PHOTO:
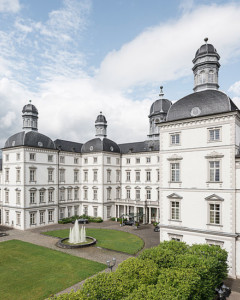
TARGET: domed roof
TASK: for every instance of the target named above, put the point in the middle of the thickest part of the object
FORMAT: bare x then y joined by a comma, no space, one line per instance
204,49
101,118
160,106
31,138
98,145
202,103
29,108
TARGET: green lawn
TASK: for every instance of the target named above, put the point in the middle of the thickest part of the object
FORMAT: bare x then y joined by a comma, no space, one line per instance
109,239
30,272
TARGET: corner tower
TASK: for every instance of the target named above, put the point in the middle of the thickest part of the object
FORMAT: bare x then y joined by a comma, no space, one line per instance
101,126
158,113
30,117
205,69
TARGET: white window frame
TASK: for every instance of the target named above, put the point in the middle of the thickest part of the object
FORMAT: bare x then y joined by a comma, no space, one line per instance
42,217
175,139
214,213
32,156
50,216
32,216
175,172
212,171
50,195
213,136
175,212
50,175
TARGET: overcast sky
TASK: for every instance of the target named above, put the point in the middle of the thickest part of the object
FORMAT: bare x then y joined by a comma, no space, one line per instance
75,58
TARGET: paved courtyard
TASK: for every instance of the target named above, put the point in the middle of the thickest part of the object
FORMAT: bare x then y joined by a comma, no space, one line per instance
145,232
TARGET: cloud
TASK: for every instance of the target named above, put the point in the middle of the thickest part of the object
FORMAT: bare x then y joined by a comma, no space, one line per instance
235,88
9,6
164,52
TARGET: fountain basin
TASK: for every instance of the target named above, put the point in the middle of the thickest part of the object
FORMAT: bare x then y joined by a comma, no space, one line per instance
62,243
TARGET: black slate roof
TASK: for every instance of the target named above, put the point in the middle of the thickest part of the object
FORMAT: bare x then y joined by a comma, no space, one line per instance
30,138
98,145
145,146
29,108
204,49
205,103
68,146
161,105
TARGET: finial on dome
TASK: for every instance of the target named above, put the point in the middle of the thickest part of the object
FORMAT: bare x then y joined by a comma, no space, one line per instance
206,40
161,92
100,112
30,101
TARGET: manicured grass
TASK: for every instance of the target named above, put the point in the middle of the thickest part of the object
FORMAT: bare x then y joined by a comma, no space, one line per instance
30,272
109,239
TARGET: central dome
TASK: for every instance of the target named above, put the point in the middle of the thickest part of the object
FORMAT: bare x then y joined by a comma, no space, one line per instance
99,145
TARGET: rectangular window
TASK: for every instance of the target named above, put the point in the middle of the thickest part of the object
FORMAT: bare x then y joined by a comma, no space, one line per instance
75,176
148,194
85,175
62,175
148,160
148,176
85,160
62,159
50,158
137,194
32,218
128,176
61,213
50,175
75,210
95,194
118,193
62,194
128,161
7,175
128,194
42,217
50,196
108,194
95,211
18,173
117,161
175,139
95,175
69,194
6,196
158,175
41,196
214,134
32,156
7,216
7,157
175,210
175,172
18,198
32,175
117,176
214,168
85,210
85,194
75,194
50,216
18,218
75,160
214,213
18,156
137,175
108,160
137,160
32,197
69,211
108,212
109,175
95,160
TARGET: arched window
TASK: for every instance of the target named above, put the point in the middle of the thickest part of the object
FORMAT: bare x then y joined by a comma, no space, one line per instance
202,77
211,76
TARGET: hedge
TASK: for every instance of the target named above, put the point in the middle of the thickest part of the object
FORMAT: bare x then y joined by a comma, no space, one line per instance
171,271
73,218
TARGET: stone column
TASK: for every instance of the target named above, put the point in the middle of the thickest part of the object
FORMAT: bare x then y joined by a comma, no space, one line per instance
149,215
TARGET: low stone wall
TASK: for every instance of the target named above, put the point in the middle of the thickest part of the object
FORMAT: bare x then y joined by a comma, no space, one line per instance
60,243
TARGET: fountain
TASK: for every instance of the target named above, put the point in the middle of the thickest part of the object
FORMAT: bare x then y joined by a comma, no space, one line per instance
77,235
77,238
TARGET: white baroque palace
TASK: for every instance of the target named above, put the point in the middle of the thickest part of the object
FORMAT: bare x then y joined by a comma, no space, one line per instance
186,175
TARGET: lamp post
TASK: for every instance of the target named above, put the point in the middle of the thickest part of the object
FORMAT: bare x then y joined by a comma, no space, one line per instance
110,264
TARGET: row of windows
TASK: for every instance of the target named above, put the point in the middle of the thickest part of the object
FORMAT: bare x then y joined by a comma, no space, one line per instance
213,218
214,135
213,176
32,217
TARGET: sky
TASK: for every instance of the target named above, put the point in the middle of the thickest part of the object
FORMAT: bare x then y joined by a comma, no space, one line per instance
75,58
